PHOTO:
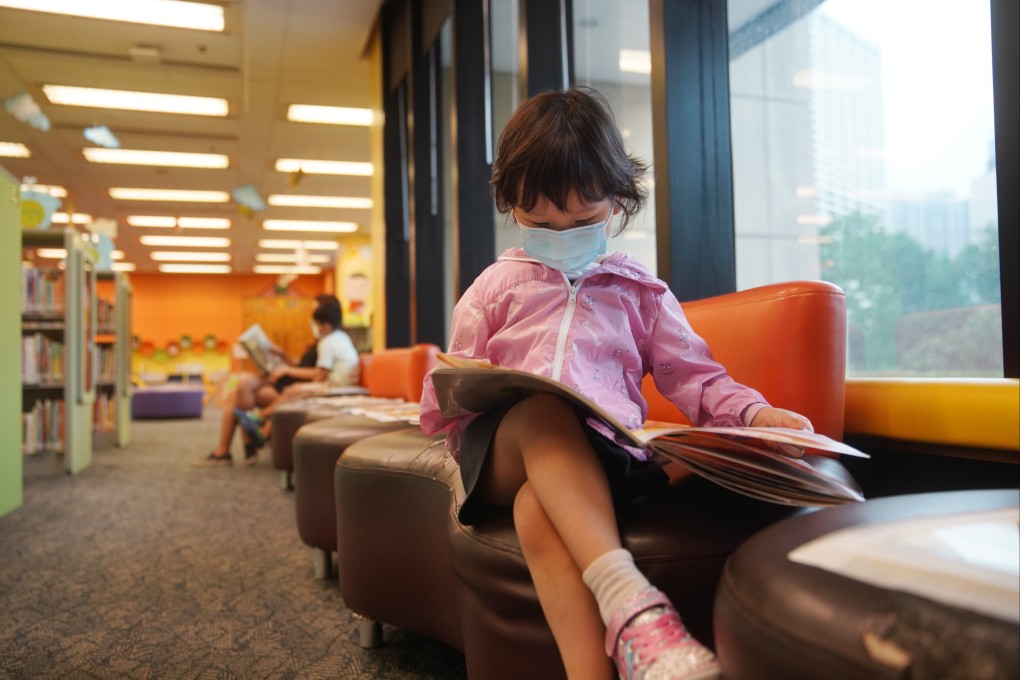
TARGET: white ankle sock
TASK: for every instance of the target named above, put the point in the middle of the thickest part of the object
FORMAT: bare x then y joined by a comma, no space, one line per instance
614,579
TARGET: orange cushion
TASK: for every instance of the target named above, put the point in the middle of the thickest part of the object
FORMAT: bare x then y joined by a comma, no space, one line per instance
786,340
398,373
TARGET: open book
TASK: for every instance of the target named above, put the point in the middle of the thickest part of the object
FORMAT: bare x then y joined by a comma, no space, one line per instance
778,465
259,348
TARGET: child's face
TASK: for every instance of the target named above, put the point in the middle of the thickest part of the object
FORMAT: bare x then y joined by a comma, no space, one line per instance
578,213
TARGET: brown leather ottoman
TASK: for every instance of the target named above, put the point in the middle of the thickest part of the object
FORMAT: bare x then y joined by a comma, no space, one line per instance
287,419
405,560
317,445
778,618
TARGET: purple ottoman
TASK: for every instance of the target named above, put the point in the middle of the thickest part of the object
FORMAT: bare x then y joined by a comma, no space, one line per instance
171,401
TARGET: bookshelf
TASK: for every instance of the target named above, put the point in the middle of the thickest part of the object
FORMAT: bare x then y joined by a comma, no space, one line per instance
58,345
11,464
111,413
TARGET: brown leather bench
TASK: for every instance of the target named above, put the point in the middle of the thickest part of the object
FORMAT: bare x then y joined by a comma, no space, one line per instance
394,373
405,560
776,617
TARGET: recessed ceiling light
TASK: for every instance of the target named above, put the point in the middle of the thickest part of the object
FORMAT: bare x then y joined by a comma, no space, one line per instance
184,256
169,222
52,190
135,101
195,268
310,225
51,253
185,241
311,167
76,218
117,255
290,244
123,266
329,115
196,15
291,257
295,201
170,159
185,195
14,150
285,269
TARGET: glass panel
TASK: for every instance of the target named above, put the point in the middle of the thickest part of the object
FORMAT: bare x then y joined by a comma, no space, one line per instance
863,155
611,55
504,20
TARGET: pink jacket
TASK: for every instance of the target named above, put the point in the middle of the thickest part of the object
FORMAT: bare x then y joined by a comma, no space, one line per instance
600,336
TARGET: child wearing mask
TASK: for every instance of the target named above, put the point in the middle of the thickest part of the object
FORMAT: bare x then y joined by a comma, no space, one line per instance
563,308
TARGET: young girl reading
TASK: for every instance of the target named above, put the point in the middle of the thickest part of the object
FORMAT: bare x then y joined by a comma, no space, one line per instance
598,323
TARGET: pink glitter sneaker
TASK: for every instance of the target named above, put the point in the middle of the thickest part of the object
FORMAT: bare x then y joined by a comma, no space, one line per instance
647,641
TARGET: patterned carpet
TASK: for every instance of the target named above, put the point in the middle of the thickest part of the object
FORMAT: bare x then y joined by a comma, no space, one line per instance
144,567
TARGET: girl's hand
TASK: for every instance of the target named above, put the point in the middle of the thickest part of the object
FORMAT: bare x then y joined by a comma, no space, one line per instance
780,417
282,371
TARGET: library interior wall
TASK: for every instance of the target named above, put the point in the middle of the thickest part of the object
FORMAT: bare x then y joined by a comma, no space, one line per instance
165,307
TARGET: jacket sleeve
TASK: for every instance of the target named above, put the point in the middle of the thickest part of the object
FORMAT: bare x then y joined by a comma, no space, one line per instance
469,336
687,374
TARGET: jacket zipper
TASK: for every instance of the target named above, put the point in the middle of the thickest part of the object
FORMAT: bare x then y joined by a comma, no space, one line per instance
561,338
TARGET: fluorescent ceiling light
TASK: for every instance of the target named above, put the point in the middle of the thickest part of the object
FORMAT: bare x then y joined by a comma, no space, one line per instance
52,190
76,218
285,269
635,61
170,159
185,195
195,268
117,255
14,150
51,253
291,257
310,225
184,256
329,115
287,244
293,201
169,222
196,15
135,101
185,241
123,266
311,167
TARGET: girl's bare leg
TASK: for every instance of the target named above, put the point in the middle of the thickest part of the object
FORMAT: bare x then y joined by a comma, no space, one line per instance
542,464
567,603
243,397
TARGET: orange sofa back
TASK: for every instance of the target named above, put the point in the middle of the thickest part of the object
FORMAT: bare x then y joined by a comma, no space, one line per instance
786,340
398,372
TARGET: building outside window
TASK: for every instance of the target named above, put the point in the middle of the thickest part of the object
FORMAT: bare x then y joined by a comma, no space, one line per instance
863,141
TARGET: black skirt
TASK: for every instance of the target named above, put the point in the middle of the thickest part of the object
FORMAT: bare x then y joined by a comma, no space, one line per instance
628,477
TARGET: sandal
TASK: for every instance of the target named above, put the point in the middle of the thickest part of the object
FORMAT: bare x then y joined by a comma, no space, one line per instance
212,460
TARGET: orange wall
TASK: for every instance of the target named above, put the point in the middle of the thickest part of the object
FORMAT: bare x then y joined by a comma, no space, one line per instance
167,306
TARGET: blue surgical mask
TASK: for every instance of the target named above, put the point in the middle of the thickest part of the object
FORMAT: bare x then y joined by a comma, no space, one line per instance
569,250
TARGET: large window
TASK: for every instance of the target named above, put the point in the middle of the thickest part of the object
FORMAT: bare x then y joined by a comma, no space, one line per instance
863,155
611,55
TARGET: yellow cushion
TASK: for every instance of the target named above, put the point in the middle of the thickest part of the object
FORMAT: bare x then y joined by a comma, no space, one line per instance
955,412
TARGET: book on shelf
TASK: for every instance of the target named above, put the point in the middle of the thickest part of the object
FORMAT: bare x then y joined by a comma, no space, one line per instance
260,349
778,465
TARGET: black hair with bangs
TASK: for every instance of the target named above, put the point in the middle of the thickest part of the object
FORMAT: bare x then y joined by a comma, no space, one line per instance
566,140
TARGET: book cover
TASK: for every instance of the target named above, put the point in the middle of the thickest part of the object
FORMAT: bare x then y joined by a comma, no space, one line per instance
260,349
778,465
